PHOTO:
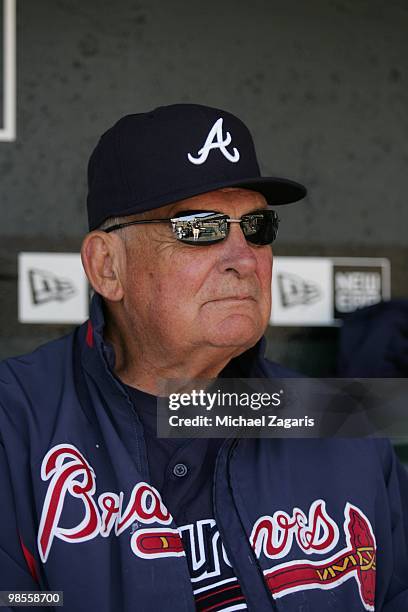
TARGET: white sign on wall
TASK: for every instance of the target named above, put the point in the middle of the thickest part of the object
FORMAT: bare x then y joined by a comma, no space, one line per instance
301,291
321,290
52,288
8,70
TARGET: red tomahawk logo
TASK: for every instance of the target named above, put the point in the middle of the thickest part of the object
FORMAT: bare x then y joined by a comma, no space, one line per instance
357,561
156,543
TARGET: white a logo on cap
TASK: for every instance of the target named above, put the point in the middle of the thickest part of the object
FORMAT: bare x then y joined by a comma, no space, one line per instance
215,140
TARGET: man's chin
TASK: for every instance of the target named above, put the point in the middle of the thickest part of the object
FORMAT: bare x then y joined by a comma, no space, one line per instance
237,332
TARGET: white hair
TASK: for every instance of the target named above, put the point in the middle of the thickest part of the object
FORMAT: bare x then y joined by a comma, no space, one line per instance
111,221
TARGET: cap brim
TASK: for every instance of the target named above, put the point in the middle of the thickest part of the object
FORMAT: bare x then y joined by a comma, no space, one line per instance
277,191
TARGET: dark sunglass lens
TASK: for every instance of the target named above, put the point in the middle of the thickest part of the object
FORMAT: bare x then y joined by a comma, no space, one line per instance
260,227
200,227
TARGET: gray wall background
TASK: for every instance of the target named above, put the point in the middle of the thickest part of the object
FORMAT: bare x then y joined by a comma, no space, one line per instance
323,86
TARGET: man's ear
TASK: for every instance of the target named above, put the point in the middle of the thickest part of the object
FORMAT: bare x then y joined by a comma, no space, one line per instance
103,257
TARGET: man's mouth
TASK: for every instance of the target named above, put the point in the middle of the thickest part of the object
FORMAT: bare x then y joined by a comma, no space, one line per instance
234,298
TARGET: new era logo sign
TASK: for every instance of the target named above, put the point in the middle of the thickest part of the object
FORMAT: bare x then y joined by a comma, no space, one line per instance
302,291
52,288
46,287
359,282
294,290
319,290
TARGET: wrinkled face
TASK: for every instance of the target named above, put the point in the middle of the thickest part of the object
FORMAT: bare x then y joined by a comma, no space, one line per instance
180,295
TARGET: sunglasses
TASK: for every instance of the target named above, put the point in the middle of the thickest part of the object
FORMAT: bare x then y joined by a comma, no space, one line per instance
207,227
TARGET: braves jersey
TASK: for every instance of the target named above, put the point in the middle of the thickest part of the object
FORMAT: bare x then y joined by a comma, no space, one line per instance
182,471
303,525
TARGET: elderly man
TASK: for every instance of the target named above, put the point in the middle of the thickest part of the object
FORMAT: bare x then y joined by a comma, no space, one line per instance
94,504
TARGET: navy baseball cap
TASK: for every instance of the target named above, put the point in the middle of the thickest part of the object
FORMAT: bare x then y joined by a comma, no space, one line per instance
148,160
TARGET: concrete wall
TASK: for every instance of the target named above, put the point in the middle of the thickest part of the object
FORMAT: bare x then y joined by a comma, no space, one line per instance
322,84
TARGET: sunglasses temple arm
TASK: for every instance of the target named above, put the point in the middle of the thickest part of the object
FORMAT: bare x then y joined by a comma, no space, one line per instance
138,222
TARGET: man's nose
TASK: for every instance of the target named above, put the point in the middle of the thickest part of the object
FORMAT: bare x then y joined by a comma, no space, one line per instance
237,254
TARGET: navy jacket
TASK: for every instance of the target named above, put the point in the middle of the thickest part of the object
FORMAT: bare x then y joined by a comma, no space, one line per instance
307,525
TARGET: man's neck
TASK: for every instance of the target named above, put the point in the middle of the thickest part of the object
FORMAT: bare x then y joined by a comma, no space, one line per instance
148,369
